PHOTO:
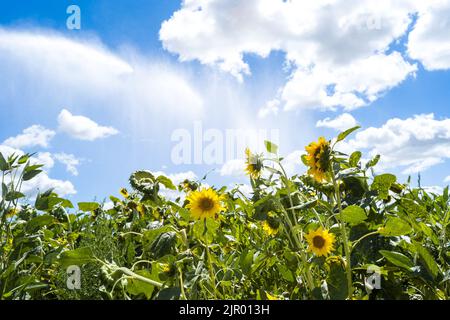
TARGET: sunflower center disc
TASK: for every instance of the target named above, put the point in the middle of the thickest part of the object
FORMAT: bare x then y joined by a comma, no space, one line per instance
206,204
318,242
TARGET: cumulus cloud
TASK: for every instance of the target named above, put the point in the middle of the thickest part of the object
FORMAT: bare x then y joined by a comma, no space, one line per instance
447,179
340,123
346,61
33,136
414,144
233,167
343,62
83,128
70,161
42,182
429,42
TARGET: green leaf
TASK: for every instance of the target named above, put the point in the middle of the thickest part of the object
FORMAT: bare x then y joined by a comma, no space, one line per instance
373,162
166,182
395,227
382,183
23,159
345,133
354,158
3,163
88,206
427,259
286,273
14,195
78,257
172,293
137,287
271,147
337,282
353,215
163,244
40,221
4,189
398,259
30,174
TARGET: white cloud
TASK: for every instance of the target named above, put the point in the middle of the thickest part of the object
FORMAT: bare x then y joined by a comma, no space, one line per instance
42,182
270,108
343,62
414,144
233,167
293,164
429,41
447,179
340,123
70,161
44,158
83,128
33,136
434,189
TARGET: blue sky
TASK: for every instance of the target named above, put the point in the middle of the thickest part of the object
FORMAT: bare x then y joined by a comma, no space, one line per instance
139,70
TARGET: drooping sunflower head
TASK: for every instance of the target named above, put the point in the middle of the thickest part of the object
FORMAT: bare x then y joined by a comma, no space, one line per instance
271,225
320,242
253,164
124,193
318,159
205,203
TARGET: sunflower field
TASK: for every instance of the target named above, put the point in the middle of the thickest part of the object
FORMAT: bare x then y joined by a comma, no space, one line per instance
339,231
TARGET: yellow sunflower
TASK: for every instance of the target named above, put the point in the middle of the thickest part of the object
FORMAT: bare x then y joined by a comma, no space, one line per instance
124,193
204,203
271,297
253,164
318,159
141,210
320,242
268,229
271,225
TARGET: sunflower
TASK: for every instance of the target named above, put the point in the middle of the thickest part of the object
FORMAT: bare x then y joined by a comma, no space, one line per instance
205,203
253,164
318,159
271,297
141,210
271,225
124,193
320,242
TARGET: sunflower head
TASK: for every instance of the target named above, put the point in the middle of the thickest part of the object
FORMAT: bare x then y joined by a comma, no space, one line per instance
124,193
271,297
271,225
141,210
253,164
318,159
320,242
205,203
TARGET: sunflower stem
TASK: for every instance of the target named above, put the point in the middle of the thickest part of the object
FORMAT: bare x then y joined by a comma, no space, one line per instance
347,251
212,275
301,248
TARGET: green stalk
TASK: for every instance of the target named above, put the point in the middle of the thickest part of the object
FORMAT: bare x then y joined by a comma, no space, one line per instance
309,278
347,251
